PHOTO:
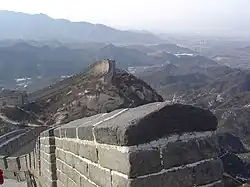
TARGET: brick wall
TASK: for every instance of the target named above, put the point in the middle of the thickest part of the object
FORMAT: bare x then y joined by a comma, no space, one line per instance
155,145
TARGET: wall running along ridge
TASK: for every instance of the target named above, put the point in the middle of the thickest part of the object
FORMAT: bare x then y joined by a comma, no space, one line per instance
154,145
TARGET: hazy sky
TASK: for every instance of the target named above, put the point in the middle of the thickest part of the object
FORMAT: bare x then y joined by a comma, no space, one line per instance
154,15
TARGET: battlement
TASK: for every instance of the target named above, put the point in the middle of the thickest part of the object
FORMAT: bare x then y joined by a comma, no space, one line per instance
154,145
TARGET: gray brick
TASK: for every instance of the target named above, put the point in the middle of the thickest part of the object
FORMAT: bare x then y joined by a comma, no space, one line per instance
85,129
58,143
57,133
76,177
48,166
178,178
88,152
132,164
99,176
13,163
62,177
68,170
66,145
183,153
85,132
81,166
208,172
59,164
60,184
71,183
69,159
86,183
118,181
49,157
60,154
74,147
144,162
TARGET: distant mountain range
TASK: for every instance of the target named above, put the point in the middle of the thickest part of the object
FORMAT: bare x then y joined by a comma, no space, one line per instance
15,25
47,61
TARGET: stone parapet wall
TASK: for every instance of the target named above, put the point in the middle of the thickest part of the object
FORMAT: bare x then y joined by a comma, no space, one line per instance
155,145
187,160
19,153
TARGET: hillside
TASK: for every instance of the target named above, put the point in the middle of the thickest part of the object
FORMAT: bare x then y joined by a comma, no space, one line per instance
14,25
101,88
224,90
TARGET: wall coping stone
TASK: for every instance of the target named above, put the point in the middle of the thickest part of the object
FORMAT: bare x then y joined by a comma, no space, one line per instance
133,126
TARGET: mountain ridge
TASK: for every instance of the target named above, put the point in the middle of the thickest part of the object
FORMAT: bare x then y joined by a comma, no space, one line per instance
16,25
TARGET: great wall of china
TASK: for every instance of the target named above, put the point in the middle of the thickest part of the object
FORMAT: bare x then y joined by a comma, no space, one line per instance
151,145
154,145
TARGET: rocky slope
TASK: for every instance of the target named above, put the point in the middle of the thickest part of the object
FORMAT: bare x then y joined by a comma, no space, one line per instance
101,88
223,90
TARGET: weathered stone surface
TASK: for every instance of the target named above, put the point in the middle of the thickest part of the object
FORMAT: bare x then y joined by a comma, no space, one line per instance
69,130
85,128
60,184
71,183
87,183
152,121
132,164
119,162
81,166
99,176
208,172
13,163
60,154
88,151
73,147
178,178
48,166
76,177
183,153
68,170
69,159
59,143
51,158
144,162
62,177
118,181
59,164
